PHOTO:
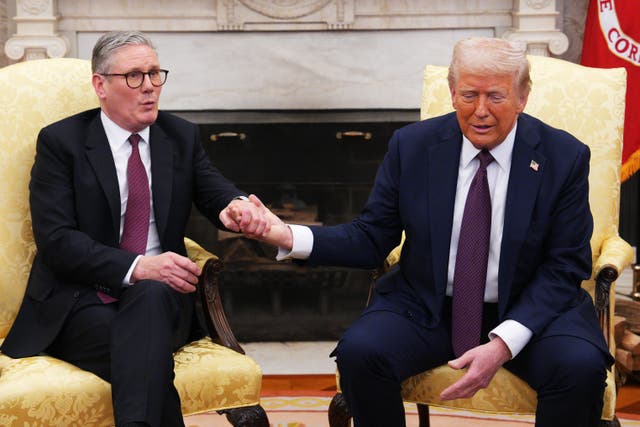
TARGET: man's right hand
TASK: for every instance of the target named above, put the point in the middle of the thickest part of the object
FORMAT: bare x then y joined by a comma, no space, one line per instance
278,234
175,270
482,362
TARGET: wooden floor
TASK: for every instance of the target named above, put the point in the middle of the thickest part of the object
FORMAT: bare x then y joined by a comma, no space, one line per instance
628,400
298,383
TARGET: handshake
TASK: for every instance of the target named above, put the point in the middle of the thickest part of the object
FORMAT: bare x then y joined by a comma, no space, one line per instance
254,220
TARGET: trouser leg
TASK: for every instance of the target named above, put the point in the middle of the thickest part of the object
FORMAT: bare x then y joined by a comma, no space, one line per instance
84,338
378,352
131,344
569,375
153,322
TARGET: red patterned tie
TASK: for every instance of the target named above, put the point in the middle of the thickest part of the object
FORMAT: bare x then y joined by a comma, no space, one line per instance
470,273
136,218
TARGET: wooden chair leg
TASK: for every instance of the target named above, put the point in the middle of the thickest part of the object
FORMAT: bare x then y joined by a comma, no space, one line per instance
339,413
423,415
613,423
248,416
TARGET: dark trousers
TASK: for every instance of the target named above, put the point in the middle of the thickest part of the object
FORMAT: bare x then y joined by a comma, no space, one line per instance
130,343
386,345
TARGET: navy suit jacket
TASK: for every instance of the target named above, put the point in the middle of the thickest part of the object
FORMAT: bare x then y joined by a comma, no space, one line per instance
545,252
75,210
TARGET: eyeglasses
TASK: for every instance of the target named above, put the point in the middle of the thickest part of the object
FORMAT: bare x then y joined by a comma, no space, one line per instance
135,79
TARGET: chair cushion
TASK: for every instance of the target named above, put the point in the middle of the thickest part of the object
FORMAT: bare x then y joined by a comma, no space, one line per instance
507,393
43,390
217,378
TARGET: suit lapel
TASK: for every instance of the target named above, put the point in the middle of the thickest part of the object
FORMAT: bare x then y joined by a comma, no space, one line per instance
98,150
442,178
161,176
527,170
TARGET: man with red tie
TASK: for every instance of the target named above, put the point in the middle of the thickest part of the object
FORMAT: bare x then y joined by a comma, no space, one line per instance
495,207
111,289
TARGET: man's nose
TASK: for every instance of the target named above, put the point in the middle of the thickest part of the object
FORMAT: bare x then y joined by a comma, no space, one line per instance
481,109
146,83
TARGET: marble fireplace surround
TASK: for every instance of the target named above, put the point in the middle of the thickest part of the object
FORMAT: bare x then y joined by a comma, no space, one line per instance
287,54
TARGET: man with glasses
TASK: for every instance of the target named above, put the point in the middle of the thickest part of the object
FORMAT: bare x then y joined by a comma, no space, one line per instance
111,289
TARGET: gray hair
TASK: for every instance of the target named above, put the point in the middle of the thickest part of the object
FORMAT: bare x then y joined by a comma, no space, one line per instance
108,43
491,56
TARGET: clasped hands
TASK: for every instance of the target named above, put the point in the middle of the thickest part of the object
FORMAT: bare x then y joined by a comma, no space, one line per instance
251,218
254,220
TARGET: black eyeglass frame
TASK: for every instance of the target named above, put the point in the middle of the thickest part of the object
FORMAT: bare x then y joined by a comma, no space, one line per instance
163,73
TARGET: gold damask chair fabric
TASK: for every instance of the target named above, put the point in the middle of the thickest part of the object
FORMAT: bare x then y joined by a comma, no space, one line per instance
588,103
38,391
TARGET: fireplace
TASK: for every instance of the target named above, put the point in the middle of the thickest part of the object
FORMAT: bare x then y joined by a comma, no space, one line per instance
309,167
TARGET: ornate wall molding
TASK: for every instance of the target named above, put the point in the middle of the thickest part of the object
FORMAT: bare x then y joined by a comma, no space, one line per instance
284,15
534,25
285,9
36,35
35,47
43,24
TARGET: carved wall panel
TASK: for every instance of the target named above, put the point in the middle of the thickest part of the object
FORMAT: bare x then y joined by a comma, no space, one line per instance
291,54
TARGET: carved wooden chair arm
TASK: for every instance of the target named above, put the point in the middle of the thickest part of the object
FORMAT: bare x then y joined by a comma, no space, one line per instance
604,279
208,303
615,255
211,304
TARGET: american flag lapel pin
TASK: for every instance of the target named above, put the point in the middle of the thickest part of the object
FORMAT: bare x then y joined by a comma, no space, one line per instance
534,165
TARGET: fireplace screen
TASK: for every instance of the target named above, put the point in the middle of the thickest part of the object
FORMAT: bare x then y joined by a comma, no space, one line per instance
316,172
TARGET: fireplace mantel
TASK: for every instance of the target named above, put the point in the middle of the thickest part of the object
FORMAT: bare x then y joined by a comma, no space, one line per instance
287,54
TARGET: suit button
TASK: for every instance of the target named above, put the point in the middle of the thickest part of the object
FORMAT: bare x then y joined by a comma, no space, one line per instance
76,294
408,313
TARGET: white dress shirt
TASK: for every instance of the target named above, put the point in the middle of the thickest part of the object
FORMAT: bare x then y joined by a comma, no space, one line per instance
514,334
121,150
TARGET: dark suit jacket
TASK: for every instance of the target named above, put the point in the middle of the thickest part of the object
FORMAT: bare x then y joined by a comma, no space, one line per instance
75,210
545,251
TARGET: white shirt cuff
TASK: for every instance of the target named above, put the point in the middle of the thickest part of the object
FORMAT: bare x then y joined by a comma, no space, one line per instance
514,334
127,278
302,243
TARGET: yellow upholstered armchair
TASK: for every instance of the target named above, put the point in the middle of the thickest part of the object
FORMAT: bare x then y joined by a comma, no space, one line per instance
211,374
588,103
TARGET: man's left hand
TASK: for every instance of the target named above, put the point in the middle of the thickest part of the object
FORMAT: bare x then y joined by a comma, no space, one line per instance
247,218
482,362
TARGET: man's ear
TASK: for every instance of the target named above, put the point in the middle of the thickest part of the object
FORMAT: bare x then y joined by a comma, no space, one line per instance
452,91
523,103
98,85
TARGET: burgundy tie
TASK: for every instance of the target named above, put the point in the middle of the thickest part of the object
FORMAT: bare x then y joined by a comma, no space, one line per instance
470,273
136,217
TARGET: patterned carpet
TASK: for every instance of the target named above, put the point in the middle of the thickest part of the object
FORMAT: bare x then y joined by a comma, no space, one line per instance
311,411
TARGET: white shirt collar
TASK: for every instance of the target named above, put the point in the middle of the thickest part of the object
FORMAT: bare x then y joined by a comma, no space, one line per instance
118,136
501,153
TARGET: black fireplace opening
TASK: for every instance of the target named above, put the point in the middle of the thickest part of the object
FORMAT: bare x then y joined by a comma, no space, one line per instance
309,167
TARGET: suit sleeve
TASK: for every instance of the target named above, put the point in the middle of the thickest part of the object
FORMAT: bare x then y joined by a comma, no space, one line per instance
366,241
212,191
561,248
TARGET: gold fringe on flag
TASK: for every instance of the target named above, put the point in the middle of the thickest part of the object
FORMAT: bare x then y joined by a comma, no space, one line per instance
631,166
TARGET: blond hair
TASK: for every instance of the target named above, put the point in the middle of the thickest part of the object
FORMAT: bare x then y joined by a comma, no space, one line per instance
491,56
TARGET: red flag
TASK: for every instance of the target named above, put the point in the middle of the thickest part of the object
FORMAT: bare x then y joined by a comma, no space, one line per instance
612,39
